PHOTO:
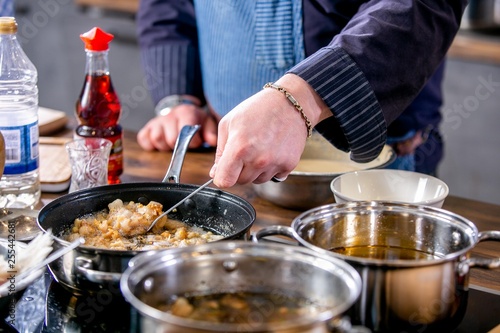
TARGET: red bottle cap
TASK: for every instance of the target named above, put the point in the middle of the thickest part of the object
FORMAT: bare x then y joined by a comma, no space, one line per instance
96,39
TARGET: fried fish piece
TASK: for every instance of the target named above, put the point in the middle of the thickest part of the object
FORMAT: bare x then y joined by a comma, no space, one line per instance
133,218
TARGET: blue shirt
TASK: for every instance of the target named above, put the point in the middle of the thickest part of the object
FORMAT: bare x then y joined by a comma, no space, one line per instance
6,8
265,41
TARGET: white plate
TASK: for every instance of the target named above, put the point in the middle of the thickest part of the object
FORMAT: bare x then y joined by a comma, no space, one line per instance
320,157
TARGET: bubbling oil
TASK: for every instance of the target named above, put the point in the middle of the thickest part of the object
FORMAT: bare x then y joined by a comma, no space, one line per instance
384,252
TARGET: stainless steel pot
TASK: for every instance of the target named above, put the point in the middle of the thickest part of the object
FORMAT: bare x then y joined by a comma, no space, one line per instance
398,295
307,189
88,269
238,266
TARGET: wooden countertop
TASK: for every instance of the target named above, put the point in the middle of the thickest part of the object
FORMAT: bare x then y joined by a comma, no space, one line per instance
474,46
124,6
143,166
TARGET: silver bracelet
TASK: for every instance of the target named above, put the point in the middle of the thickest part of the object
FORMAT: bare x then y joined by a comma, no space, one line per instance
294,102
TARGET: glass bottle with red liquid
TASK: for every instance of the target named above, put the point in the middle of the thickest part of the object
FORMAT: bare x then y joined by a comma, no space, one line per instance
98,108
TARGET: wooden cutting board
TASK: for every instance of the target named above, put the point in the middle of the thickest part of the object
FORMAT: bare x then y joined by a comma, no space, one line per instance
55,170
50,121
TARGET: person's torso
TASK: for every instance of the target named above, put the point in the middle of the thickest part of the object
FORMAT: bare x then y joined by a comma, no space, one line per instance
245,44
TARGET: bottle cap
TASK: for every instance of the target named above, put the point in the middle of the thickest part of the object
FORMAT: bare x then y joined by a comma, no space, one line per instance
96,39
8,25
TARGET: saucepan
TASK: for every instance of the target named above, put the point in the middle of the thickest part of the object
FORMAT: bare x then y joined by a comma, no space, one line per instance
88,269
267,287
414,261
308,185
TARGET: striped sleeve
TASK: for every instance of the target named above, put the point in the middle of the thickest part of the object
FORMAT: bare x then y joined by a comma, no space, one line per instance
346,91
168,70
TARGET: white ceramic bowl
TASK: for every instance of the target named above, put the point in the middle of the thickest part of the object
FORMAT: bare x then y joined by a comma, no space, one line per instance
389,185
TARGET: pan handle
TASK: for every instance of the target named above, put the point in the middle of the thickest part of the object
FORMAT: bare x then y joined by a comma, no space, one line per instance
486,263
181,145
275,230
82,267
465,265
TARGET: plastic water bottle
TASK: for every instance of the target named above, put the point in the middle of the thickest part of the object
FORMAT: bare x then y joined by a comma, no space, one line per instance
20,182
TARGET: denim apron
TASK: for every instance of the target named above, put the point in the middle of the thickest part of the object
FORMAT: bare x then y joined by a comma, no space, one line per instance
6,7
245,44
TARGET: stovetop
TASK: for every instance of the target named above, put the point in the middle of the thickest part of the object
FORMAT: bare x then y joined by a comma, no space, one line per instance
47,307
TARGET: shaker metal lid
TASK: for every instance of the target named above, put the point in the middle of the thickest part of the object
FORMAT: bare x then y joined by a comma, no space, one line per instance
19,223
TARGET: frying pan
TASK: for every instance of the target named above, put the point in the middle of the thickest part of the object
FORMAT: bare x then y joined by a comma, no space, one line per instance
89,269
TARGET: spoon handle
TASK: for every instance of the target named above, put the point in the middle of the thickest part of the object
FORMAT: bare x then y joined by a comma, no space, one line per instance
179,203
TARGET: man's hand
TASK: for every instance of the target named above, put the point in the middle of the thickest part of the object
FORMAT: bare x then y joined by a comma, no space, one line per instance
264,136
161,132
408,146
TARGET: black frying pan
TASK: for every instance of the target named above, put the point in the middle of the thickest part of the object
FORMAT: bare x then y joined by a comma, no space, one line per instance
87,268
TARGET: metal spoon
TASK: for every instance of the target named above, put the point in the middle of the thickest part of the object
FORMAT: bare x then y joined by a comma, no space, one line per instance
179,203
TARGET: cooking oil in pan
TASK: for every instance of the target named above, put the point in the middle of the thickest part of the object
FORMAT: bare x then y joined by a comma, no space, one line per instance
384,252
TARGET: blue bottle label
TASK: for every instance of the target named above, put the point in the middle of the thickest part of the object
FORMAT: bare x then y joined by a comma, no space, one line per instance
21,148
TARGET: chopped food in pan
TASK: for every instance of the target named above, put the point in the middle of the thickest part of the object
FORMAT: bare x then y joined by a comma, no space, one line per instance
123,227
241,307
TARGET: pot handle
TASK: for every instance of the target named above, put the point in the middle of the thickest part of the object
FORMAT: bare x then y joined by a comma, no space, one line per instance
486,263
181,145
83,267
275,230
